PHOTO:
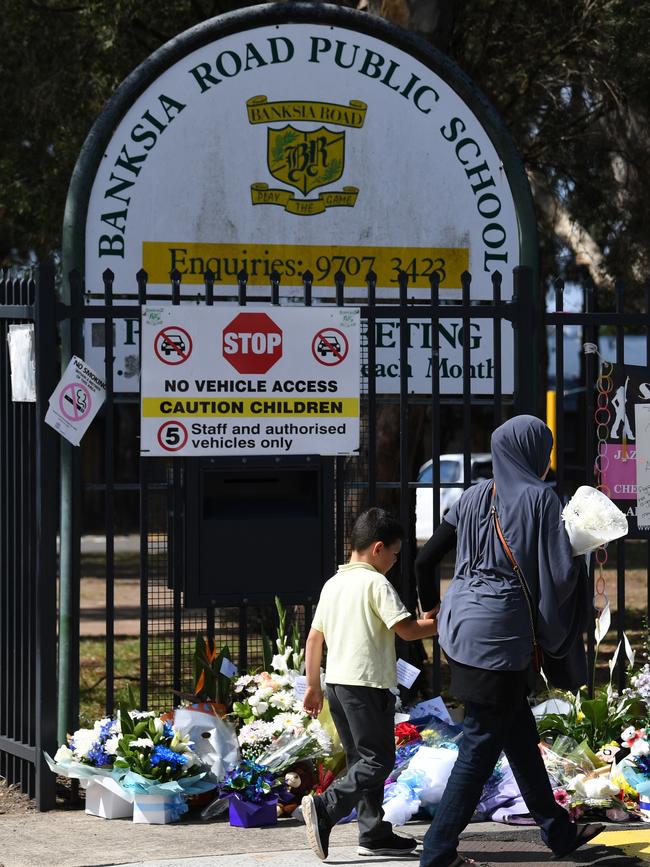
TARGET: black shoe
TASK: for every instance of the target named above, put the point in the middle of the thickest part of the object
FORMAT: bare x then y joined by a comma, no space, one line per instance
584,833
317,825
392,845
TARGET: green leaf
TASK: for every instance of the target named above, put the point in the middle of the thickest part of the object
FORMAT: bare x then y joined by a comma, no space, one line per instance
595,710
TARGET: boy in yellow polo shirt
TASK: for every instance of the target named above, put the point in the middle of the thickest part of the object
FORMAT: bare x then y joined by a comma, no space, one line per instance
358,615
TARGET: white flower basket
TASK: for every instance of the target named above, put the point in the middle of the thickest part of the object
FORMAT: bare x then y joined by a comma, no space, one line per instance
592,520
158,809
108,800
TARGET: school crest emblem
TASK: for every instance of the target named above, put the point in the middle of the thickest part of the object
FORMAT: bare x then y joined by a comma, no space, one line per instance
305,158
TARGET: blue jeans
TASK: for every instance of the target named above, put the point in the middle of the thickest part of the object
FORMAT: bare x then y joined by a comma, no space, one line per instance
488,731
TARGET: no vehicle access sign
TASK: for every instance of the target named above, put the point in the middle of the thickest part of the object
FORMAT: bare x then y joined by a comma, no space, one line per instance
254,381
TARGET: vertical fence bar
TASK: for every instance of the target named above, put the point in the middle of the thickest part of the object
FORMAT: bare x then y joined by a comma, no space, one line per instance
209,301
242,281
560,445
5,512
371,281
307,281
176,524
76,347
620,544
524,333
243,636
275,288
405,493
589,336
466,280
647,361
339,283
497,326
142,279
46,525
435,450
109,492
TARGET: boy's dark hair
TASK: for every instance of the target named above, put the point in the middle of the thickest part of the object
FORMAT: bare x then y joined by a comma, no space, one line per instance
375,525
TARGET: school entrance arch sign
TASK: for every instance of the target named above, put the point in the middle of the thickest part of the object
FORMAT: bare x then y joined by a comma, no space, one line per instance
272,138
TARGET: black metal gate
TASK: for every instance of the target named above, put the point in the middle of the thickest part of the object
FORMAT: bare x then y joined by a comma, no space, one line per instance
167,626
399,432
28,492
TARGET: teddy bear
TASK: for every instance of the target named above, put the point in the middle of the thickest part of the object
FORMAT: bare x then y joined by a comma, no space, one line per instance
299,780
635,741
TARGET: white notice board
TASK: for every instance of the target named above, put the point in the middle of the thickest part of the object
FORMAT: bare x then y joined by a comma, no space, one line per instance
232,380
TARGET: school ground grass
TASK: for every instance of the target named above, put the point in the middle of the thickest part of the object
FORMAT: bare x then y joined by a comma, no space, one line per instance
127,623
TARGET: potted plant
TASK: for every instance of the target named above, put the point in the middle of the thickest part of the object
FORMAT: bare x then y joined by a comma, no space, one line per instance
213,688
253,792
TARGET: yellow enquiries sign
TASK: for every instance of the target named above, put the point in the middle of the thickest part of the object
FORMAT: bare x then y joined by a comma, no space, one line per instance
292,260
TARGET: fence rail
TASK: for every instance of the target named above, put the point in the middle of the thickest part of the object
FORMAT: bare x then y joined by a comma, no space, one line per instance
28,489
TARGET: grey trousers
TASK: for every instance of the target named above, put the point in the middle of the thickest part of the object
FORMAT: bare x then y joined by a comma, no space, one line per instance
364,718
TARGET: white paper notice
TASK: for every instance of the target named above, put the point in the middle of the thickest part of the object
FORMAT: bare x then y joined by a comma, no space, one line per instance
435,706
406,673
228,667
21,360
300,687
642,421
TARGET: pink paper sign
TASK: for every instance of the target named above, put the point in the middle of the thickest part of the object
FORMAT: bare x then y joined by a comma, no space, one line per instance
618,471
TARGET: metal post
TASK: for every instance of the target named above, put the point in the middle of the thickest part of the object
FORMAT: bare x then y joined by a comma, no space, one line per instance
46,466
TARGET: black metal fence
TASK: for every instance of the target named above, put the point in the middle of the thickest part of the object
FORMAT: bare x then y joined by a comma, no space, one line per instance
384,472
28,492
400,431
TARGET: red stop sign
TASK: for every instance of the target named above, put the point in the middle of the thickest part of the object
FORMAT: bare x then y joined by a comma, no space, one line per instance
252,343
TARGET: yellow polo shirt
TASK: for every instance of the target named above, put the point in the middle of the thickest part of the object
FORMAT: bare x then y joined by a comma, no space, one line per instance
356,611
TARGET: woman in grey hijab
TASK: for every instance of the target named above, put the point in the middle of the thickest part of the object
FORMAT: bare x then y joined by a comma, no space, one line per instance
487,625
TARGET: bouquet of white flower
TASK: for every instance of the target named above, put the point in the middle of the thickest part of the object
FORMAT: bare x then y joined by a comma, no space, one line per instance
592,520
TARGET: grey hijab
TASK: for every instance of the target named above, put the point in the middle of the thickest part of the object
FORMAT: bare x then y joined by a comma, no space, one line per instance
484,618
531,520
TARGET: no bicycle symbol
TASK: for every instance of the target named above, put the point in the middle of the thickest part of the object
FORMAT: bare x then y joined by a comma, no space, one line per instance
329,346
75,402
173,345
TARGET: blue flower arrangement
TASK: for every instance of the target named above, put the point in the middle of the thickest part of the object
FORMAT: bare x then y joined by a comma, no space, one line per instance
251,782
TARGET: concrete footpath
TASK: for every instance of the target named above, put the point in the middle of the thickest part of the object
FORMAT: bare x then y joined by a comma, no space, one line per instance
72,839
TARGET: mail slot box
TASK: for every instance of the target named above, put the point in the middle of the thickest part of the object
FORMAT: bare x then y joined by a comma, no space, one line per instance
255,530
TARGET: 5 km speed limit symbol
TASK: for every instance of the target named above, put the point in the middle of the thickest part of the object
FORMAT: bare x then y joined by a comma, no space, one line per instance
172,436
329,346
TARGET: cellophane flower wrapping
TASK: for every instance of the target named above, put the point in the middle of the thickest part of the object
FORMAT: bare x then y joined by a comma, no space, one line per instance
215,742
293,746
592,520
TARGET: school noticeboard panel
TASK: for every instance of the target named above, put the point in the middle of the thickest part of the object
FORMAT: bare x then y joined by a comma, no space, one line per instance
249,381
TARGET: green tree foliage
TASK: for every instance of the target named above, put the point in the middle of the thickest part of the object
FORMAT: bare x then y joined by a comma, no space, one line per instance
569,78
